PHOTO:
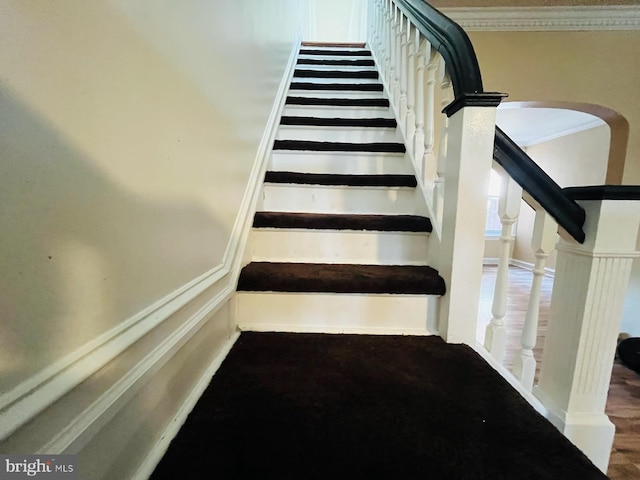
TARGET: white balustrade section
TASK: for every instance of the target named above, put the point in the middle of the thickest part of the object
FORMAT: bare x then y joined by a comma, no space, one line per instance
495,339
590,279
545,236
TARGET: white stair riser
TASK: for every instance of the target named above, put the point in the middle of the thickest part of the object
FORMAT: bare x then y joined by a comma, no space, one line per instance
335,199
334,94
339,246
334,80
337,313
340,163
323,111
333,57
342,68
339,134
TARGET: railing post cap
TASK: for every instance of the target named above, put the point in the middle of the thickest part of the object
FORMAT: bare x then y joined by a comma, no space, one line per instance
484,99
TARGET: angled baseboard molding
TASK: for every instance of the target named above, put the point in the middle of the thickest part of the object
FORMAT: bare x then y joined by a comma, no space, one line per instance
540,19
178,317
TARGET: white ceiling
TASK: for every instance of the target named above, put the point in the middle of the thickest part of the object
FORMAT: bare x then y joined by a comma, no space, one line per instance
530,126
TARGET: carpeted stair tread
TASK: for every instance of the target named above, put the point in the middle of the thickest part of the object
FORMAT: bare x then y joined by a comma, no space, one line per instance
340,278
306,73
339,122
335,221
337,53
310,145
336,179
314,407
354,87
339,102
344,63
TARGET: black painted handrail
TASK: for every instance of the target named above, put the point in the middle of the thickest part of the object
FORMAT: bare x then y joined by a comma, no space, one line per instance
452,42
547,193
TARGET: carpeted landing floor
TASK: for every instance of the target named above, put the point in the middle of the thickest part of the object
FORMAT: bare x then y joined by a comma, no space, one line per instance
307,406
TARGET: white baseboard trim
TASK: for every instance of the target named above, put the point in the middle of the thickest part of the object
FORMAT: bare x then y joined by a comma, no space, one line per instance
159,449
549,272
514,262
84,426
559,18
513,381
32,396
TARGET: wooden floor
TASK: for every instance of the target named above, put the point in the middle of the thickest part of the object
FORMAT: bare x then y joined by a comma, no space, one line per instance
623,405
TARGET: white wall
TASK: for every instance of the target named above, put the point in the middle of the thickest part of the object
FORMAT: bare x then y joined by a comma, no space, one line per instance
128,132
337,21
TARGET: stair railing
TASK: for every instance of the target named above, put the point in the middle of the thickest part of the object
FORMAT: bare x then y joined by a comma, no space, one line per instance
429,66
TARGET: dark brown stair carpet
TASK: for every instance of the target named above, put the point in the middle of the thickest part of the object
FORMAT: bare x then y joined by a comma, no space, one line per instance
340,278
303,73
317,407
339,102
343,63
337,53
352,87
347,180
339,122
338,146
336,221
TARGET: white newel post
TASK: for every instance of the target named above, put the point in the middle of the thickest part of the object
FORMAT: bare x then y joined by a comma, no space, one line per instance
588,293
495,339
460,251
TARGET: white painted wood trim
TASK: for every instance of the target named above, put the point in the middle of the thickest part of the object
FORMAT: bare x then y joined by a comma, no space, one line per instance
36,393
509,19
549,272
513,381
240,234
82,429
159,449
33,395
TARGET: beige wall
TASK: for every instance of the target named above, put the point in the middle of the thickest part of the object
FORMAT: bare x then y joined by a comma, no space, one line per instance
127,134
571,160
586,67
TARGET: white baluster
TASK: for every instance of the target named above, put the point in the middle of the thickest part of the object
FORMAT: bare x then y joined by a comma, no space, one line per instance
545,234
509,207
389,43
438,184
404,74
424,49
426,158
397,61
410,126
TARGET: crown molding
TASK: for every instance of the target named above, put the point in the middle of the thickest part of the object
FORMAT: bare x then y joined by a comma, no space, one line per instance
509,19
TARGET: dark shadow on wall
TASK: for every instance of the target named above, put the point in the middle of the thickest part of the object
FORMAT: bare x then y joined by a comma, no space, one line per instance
78,253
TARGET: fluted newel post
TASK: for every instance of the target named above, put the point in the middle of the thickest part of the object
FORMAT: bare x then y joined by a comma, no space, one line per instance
390,36
438,184
545,235
410,125
495,339
458,256
418,139
588,294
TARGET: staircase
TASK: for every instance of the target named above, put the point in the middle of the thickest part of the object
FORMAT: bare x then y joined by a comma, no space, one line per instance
340,238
